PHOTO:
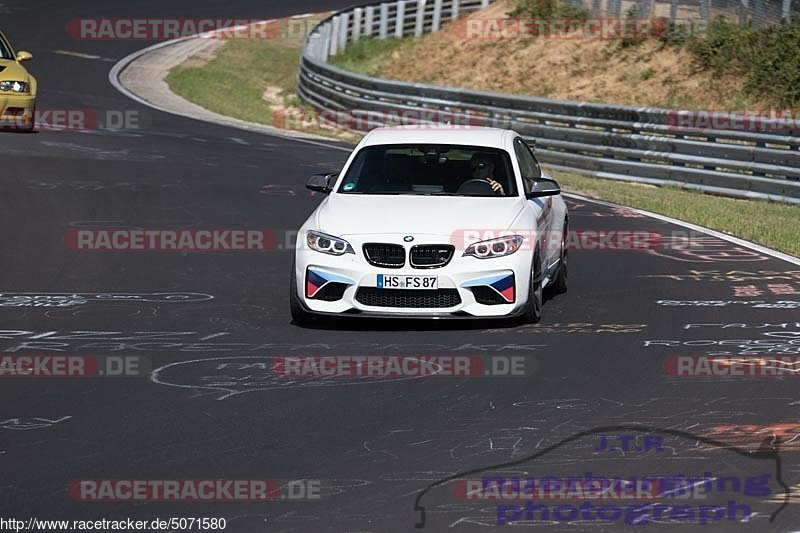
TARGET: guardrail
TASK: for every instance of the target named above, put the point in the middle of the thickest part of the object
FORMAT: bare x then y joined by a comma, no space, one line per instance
639,144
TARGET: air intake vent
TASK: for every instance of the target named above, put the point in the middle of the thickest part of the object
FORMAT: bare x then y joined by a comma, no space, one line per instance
439,298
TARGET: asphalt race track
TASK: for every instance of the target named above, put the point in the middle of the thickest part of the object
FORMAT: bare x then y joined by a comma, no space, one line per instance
208,322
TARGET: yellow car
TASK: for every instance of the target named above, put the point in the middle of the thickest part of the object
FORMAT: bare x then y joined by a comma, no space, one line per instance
17,89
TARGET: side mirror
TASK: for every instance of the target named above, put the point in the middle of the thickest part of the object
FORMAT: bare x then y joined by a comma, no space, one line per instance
543,187
22,55
322,182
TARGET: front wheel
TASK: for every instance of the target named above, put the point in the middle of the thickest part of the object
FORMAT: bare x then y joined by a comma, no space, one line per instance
533,309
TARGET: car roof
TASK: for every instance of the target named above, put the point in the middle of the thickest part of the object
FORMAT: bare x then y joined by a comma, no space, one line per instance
439,134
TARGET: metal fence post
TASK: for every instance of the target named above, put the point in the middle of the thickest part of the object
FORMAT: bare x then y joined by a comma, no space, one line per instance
357,15
437,15
369,20
383,22
420,20
336,24
325,31
312,46
454,9
400,19
343,31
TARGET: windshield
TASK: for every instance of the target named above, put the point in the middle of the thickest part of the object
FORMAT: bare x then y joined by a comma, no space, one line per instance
442,170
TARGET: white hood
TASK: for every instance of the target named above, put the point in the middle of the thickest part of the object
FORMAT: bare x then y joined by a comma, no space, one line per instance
356,214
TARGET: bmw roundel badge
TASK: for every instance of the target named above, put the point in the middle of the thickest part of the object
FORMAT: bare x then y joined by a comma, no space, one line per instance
408,238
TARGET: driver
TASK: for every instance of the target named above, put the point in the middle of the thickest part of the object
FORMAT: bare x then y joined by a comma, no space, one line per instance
481,167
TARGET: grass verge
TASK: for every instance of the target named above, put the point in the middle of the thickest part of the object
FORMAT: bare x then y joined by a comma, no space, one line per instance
252,80
234,82
370,56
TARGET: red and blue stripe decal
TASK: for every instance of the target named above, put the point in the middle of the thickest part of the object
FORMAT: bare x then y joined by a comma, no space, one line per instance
314,283
316,279
502,283
505,287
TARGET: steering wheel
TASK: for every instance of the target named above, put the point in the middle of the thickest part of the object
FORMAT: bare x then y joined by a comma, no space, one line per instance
477,186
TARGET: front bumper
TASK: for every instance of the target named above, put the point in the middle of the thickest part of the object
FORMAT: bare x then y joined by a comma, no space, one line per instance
17,110
505,279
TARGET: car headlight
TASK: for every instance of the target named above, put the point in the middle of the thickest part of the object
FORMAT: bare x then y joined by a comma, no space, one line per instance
495,247
15,86
328,244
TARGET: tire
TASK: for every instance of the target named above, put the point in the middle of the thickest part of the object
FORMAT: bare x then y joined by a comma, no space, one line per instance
300,316
533,309
559,284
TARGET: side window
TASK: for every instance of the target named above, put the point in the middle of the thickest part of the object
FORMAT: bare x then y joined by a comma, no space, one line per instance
527,164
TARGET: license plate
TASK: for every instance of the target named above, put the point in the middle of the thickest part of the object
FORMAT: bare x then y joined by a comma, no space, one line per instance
407,282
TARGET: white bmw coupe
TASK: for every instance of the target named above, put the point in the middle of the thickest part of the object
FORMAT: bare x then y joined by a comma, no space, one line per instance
432,223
